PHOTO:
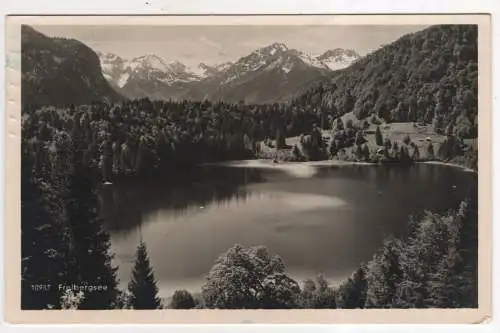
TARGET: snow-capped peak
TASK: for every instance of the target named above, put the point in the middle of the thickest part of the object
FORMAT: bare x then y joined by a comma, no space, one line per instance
203,70
109,57
310,60
149,67
273,49
338,58
148,61
200,70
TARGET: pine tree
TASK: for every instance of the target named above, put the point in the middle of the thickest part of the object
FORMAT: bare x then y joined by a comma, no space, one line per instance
355,291
44,248
403,154
378,137
468,247
91,243
383,275
430,151
358,152
416,153
280,139
142,287
395,150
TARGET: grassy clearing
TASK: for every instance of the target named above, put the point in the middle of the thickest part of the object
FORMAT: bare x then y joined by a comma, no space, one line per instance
420,135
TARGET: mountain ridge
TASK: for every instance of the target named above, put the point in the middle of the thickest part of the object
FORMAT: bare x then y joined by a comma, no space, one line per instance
153,77
60,71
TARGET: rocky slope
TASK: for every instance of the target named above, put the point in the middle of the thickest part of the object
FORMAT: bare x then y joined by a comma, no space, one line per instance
58,72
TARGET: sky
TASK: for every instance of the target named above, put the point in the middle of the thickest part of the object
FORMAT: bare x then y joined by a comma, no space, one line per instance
217,44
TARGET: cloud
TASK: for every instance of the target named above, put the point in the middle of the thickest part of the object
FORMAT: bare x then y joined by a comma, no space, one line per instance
255,44
209,42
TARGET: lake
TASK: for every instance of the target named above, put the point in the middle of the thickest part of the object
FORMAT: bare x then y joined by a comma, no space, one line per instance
318,218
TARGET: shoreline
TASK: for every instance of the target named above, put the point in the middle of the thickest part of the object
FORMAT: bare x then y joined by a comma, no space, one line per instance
453,165
262,162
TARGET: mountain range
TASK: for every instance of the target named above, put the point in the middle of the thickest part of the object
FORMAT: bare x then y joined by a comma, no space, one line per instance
268,74
61,71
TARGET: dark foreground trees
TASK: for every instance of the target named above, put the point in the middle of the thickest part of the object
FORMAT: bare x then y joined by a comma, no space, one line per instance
44,245
64,243
435,266
91,242
142,287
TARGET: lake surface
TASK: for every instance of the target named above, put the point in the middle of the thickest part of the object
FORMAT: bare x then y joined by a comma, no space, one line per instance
318,218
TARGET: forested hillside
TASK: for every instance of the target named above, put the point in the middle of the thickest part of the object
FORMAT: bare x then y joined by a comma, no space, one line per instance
142,136
430,76
58,71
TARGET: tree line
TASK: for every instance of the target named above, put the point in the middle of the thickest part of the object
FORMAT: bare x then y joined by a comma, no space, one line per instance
141,136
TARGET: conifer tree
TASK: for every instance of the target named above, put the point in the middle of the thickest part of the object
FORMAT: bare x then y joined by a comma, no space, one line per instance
43,246
383,276
280,138
403,154
355,291
91,243
378,137
142,287
430,151
416,153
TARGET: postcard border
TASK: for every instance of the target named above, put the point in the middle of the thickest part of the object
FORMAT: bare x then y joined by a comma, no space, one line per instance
13,314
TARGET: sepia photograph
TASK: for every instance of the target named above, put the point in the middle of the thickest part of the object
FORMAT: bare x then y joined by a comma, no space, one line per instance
264,166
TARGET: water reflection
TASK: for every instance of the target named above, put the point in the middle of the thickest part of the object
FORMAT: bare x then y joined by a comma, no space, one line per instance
125,205
328,223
